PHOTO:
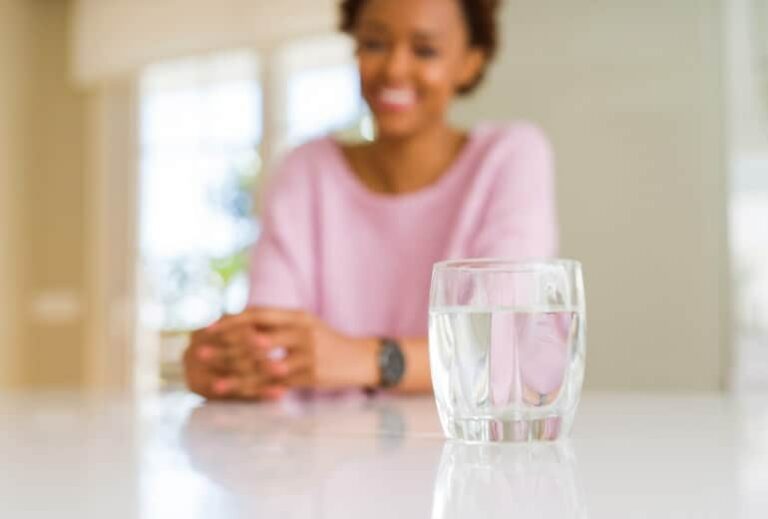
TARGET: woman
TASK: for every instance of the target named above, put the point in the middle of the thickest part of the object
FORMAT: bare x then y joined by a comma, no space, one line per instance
340,275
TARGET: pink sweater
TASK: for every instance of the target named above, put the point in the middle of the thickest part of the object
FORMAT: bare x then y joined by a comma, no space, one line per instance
362,261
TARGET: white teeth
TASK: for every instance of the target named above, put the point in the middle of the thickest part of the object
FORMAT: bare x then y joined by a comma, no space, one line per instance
398,97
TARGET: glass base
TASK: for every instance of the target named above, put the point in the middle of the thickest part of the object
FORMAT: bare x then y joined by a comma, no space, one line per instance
550,428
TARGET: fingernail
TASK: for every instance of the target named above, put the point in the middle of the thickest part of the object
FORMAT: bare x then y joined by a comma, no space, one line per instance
205,353
274,392
277,354
278,368
223,385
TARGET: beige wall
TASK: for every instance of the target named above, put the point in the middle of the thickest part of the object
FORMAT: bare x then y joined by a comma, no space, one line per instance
54,208
631,94
106,42
44,166
12,80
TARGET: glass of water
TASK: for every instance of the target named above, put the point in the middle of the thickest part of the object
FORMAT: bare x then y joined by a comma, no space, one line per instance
507,344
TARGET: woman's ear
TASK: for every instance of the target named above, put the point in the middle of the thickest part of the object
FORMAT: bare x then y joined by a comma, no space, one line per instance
472,67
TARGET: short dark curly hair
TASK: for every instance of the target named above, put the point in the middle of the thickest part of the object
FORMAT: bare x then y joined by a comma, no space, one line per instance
480,16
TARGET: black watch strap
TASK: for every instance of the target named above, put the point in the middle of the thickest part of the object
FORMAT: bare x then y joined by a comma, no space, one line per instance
391,363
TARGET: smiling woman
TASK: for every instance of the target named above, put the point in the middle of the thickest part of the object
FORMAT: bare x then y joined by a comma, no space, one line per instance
479,18
339,277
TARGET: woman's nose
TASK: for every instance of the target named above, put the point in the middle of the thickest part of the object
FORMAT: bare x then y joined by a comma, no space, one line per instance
398,65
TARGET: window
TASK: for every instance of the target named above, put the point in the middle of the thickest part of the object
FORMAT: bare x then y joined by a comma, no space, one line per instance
201,131
322,100
749,244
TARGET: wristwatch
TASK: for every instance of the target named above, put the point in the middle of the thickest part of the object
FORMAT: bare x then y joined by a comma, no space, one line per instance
391,363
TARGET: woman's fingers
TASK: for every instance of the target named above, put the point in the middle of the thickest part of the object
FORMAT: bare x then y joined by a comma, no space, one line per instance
216,371
302,379
268,382
290,338
253,386
227,352
252,355
231,350
265,317
291,365
224,359
275,317
229,335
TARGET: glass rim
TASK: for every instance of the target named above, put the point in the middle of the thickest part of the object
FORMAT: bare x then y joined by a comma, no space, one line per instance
504,265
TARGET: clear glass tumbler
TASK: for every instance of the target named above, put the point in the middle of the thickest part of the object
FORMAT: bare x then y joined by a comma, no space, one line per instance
507,345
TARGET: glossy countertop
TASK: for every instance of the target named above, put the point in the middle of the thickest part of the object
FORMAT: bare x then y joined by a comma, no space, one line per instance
174,455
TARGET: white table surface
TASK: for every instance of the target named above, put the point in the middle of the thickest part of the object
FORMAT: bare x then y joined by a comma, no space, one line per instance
174,456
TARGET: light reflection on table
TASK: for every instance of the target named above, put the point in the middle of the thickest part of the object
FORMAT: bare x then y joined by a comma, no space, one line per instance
352,456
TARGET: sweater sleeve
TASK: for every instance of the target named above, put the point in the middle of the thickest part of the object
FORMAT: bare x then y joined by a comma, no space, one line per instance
519,220
281,269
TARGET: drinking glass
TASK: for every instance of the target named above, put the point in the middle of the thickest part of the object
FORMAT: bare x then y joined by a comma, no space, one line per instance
507,345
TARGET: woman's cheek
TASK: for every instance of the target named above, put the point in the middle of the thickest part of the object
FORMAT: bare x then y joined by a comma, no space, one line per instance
438,86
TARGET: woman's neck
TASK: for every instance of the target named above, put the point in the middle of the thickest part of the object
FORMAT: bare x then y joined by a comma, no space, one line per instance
403,165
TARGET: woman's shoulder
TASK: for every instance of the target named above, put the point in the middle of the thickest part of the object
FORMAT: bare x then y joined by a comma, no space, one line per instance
297,166
306,155
509,153
289,179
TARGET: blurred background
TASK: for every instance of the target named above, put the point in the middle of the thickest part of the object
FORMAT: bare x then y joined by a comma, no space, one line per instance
134,133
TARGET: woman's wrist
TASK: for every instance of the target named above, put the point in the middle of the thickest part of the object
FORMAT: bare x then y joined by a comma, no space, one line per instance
367,362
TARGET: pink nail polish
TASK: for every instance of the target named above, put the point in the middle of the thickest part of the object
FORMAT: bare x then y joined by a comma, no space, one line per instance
205,353
274,393
279,369
222,386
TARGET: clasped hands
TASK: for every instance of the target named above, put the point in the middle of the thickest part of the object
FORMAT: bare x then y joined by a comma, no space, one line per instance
261,353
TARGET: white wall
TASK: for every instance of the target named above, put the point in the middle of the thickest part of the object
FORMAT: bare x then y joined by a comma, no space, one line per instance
631,93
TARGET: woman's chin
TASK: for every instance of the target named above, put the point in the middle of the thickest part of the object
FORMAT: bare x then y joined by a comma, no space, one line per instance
391,130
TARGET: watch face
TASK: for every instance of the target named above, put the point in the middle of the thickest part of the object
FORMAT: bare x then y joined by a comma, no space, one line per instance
391,363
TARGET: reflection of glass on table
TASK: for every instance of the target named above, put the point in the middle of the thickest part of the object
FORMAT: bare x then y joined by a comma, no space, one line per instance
537,480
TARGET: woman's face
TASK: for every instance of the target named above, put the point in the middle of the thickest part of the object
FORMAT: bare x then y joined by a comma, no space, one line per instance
413,55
